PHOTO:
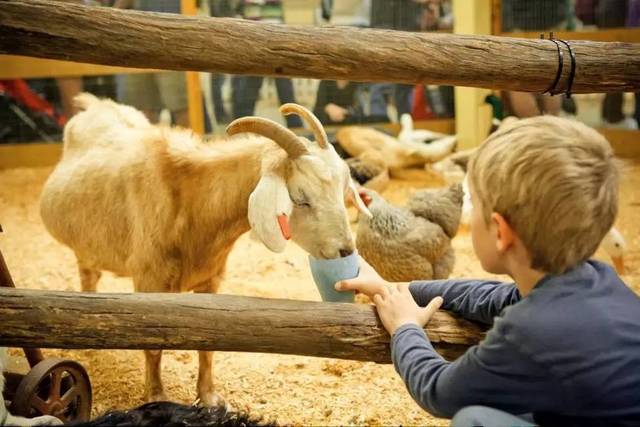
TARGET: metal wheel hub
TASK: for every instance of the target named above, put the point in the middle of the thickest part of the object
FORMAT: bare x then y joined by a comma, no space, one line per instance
54,387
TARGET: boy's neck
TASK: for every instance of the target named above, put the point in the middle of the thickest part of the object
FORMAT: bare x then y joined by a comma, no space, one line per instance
517,263
526,278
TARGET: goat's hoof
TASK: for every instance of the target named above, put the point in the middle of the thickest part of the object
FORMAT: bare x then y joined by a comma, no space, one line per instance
211,399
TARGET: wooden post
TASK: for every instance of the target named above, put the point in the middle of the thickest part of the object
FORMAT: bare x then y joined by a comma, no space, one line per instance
473,115
33,355
131,38
496,17
194,92
5,277
51,319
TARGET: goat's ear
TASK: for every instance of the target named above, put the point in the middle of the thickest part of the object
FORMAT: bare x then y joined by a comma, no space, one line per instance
269,209
354,196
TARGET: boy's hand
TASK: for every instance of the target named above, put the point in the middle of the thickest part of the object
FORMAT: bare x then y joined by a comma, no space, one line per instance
368,281
396,307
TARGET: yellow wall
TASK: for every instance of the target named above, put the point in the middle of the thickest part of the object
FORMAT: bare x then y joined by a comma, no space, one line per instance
300,12
29,155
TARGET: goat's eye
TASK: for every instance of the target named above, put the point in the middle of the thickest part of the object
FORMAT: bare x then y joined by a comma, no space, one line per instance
301,203
301,200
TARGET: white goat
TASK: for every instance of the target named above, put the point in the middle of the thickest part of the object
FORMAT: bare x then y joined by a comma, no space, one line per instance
159,205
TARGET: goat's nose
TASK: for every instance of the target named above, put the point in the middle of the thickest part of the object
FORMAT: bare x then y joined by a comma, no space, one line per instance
345,252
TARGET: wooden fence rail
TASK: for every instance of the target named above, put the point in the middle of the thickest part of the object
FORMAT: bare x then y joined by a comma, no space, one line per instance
109,36
49,319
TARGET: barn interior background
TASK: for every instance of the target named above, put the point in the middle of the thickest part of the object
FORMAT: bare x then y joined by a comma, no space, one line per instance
35,103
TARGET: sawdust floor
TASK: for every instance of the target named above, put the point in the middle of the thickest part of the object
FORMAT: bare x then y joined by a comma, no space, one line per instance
286,389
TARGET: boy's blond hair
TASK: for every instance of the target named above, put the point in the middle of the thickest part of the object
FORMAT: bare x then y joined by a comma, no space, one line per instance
555,181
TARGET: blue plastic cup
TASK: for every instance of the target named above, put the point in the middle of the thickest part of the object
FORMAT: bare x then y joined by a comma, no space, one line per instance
326,272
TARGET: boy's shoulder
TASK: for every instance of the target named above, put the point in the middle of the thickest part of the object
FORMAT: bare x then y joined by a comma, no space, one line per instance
569,310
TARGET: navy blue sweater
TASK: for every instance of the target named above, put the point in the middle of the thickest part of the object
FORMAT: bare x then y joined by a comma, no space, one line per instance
569,352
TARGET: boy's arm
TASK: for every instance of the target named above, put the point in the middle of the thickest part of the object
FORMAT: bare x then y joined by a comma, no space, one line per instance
493,373
479,300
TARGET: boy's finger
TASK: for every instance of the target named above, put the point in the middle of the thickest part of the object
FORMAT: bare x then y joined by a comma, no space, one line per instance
385,291
348,285
431,308
377,299
342,285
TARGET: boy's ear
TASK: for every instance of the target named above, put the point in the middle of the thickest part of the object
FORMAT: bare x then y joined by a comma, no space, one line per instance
269,210
505,235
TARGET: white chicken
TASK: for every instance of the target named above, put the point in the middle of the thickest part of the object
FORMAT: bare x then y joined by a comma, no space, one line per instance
615,246
357,139
410,135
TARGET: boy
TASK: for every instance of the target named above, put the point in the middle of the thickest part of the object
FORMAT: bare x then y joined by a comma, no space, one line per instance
564,347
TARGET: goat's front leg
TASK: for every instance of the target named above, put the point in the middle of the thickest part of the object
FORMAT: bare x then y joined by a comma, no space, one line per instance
154,280
88,277
153,388
205,387
206,391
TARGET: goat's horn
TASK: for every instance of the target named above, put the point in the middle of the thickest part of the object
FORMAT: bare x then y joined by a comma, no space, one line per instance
311,119
275,131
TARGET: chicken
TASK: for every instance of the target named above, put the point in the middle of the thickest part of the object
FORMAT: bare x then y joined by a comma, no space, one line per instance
369,170
413,242
410,135
357,139
453,169
615,246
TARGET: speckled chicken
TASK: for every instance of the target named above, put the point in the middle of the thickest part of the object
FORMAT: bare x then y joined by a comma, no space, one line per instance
412,242
369,170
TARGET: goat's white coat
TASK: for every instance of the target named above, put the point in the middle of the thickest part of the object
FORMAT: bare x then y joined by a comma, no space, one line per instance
157,204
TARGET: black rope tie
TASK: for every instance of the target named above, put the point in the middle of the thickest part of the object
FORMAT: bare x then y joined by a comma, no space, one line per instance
572,72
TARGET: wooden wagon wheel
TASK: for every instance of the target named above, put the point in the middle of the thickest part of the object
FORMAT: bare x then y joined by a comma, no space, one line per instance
54,387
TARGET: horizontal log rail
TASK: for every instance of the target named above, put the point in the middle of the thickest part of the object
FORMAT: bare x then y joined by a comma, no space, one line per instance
76,320
127,38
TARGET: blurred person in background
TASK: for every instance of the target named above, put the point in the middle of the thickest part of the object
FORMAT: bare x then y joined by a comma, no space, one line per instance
153,92
534,15
610,14
245,89
338,102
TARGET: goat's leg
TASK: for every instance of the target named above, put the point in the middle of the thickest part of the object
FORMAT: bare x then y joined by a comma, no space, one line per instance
205,387
154,280
153,388
88,277
206,391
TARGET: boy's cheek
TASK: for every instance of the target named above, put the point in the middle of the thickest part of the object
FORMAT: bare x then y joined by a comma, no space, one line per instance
485,250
